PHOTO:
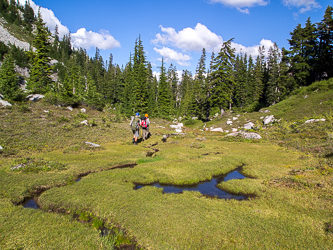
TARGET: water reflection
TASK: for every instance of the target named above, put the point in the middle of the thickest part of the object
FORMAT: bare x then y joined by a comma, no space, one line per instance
207,188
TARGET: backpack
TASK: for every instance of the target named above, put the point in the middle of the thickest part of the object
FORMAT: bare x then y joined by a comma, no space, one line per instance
135,124
143,123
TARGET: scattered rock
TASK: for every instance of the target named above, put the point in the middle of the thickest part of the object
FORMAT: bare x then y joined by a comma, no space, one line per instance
1,148
201,139
234,118
249,125
83,111
261,117
246,135
234,130
315,120
194,118
178,130
165,137
216,115
268,119
94,145
34,97
305,96
229,122
46,111
178,126
216,130
4,103
1,97
85,122
69,108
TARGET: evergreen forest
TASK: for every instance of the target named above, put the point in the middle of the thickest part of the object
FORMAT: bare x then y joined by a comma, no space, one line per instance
230,81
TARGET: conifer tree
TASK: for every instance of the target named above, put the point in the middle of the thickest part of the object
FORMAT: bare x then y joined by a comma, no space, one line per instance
40,81
163,94
186,94
172,79
9,86
222,76
274,89
199,92
325,47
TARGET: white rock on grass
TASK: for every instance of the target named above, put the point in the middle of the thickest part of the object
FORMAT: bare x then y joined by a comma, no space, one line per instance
246,135
234,118
83,110
268,119
35,97
85,122
178,130
216,130
1,148
234,130
178,126
4,103
229,122
249,125
92,144
69,108
315,120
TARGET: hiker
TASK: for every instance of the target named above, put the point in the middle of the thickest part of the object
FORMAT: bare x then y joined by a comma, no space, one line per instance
135,124
144,126
147,129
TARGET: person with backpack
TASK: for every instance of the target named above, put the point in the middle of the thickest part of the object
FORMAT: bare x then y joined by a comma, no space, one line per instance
144,127
135,124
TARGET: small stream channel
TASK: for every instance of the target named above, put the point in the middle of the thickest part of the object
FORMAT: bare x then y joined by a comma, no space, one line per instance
206,188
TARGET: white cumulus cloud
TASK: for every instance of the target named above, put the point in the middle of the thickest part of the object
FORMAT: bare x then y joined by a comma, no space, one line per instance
82,37
253,50
188,39
87,39
304,5
49,18
241,5
172,55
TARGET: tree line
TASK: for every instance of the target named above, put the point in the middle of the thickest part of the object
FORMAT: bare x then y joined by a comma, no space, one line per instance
230,81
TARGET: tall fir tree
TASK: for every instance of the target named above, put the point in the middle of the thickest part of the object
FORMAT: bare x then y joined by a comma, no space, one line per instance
163,93
222,76
9,80
40,81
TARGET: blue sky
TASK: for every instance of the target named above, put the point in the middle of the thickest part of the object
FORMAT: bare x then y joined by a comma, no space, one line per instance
177,30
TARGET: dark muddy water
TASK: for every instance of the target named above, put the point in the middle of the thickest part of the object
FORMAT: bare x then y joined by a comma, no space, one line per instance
207,188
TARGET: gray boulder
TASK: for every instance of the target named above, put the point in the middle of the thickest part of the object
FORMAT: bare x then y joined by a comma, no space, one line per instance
268,119
34,97
4,103
249,125
245,135
94,145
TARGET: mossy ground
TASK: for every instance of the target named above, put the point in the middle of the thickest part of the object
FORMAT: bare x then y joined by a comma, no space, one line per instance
290,207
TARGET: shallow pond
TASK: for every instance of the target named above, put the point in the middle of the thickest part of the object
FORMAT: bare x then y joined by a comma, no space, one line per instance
30,204
207,188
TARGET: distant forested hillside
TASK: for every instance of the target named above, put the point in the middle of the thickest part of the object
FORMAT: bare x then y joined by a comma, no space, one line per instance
230,81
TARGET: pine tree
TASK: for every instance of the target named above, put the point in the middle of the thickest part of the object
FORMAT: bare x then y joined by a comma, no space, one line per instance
40,81
274,90
240,89
163,94
185,93
222,76
325,50
172,79
9,86
141,76
199,92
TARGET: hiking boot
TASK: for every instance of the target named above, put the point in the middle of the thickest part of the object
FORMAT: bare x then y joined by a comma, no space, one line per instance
135,143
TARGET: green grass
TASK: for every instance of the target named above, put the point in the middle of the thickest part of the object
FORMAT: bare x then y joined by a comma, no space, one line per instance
289,179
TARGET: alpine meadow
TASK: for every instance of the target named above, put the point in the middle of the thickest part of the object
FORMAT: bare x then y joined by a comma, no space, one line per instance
95,154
